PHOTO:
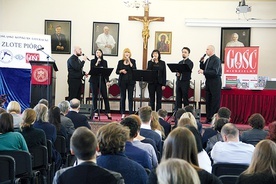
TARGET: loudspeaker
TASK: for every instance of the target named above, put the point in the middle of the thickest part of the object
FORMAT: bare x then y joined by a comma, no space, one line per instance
86,109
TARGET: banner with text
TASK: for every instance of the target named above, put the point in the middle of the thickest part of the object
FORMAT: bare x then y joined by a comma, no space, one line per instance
241,66
17,49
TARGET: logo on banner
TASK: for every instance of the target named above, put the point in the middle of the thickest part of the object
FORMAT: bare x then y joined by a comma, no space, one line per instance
6,56
40,75
32,57
241,60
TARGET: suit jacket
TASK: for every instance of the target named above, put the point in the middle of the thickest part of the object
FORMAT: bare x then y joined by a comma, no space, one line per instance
128,75
87,173
68,124
161,72
30,132
154,136
167,126
78,119
253,136
211,67
59,41
75,66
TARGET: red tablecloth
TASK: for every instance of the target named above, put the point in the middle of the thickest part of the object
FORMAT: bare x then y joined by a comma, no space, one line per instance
244,103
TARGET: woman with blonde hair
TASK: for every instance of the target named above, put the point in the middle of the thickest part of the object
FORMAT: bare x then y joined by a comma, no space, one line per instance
262,168
125,69
190,116
176,170
29,132
15,110
155,125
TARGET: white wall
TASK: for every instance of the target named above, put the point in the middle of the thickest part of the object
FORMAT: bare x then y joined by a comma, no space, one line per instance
29,16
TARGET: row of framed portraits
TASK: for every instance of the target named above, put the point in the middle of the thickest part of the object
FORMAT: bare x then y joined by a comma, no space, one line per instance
105,35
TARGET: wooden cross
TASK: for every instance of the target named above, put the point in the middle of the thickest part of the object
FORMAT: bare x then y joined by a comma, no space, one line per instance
146,19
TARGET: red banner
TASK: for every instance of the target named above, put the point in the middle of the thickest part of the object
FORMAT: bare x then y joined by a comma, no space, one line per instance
241,60
41,75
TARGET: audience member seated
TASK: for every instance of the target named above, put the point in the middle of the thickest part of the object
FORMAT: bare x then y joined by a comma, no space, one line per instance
137,155
10,140
44,101
54,118
143,139
262,168
77,119
84,146
191,109
66,122
155,125
15,110
176,170
272,131
256,134
146,131
223,112
181,144
191,117
112,140
231,150
213,140
33,136
49,130
204,161
166,125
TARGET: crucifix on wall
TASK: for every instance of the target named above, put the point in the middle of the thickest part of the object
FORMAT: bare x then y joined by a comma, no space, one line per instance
146,20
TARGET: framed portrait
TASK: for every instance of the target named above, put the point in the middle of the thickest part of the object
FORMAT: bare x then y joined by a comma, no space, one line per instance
234,37
60,31
105,36
163,42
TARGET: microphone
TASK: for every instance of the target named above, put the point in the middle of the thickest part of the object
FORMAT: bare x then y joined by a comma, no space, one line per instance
86,57
202,58
41,48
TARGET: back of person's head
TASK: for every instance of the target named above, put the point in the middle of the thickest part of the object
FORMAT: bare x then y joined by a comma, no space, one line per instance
162,113
181,143
272,131
83,143
191,116
54,117
44,101
145,114
28,117
154,123
219,123
74,103
224,112
198,137
41,112
263,159
64,106
179,113
6,123
132,125
176,170
256,121
112,138
137,119
190,108
230,131
184,121
2,110
14,106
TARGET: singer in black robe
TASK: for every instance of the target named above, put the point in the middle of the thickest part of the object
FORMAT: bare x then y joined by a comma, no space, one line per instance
99,62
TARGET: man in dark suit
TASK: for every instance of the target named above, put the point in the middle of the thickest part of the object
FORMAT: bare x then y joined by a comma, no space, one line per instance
58,41
77,119
84,146
166,125
146,131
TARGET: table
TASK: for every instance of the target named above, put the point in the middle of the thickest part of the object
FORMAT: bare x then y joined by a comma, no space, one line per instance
244,103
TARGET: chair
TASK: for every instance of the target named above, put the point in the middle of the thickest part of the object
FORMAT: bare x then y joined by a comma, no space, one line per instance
40,163
191,94
7,168
227,172
202,95
114,92
60,145
23,164
51,163
168,93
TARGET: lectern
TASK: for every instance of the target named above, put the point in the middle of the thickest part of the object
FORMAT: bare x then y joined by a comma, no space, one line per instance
43,81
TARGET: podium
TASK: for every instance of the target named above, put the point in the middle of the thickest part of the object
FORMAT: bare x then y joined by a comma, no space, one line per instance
43,82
